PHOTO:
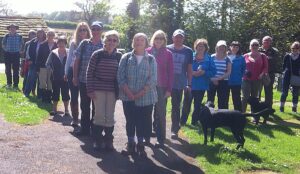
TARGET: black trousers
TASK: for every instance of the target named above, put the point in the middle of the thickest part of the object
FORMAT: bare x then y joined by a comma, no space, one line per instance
269,90
12,62
85,106
198,97
222,91
236,97
138,120
60,87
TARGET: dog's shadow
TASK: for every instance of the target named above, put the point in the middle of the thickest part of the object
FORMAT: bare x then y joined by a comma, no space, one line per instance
215,152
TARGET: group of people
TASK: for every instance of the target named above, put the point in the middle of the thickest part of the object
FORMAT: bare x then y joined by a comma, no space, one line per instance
143,79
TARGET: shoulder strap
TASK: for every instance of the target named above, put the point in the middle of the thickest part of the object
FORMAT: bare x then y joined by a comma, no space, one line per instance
291,64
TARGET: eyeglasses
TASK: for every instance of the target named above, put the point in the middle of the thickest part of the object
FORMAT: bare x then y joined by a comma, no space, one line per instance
159,38
255,45
82,30
96,29
295,48
112,40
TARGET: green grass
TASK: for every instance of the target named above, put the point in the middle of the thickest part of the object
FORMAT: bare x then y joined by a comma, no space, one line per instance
19,109
274,147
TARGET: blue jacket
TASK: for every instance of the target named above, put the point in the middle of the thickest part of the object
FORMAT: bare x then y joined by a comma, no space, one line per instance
208,65
237,71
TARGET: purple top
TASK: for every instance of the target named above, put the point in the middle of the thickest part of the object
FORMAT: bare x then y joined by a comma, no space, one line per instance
164,59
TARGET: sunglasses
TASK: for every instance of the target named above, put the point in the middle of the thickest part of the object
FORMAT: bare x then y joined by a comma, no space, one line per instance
255,45
96,29
112,40
82,30
159,38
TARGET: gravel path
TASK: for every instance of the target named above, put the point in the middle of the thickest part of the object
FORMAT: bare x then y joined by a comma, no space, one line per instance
51,148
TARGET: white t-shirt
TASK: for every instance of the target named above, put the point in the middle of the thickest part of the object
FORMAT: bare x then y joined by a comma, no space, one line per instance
139,59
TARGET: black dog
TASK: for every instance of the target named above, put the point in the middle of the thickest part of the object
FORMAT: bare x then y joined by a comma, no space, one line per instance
257,106
235,120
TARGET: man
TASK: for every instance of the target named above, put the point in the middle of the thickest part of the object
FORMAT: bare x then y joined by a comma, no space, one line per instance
83,55
274,66
182,60
12,45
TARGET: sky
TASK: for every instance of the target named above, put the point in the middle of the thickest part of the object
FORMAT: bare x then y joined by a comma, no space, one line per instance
24,7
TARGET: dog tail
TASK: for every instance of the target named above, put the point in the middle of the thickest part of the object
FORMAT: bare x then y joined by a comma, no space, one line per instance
267,110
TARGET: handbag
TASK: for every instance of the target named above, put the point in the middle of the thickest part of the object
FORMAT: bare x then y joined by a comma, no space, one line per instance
295,80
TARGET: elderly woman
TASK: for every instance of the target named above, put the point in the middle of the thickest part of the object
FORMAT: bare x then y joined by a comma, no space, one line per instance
82,32
101,88
219,83
56,62
256,67
137,77
44,74
291,66
203,69
237,72
164,61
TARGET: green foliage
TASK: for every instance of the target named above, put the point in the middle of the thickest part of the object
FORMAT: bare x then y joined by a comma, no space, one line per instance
19,109
61,24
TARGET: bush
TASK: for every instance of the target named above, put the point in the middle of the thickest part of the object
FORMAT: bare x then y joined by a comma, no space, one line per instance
61,24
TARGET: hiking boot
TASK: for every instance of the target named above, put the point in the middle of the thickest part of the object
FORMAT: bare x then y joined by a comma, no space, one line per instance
159,145
174,135
129,150
99,146
281,109
294,109
147,142
141,150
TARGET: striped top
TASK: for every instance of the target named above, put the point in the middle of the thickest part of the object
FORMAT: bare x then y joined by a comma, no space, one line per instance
221,66
102,71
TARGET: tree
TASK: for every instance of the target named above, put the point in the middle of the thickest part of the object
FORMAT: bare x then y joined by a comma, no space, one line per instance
133,12
5,10
94,10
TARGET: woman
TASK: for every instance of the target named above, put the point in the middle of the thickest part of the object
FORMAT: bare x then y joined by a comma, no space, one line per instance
44,74
256,67
101,88
82,32
203,69
164,62
219,83
291,66
137,77
237,72
31,54
56,62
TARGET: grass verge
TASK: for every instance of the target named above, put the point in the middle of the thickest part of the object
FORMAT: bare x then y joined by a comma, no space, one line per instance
273,147
19,109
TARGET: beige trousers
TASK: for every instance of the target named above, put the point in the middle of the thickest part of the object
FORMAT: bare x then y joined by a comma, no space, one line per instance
45,78
104,108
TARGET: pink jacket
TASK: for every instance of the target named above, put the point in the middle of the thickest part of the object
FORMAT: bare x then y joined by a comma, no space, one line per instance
256,68
164,61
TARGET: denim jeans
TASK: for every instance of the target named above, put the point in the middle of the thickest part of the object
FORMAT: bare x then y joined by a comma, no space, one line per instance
12,62
160,115
186,108
138,120
31,80
85,105
74,90
285,89
176,104
222,90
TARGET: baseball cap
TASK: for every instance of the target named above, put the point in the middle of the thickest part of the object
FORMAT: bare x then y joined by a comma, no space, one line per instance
221,42
98,24
178,32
